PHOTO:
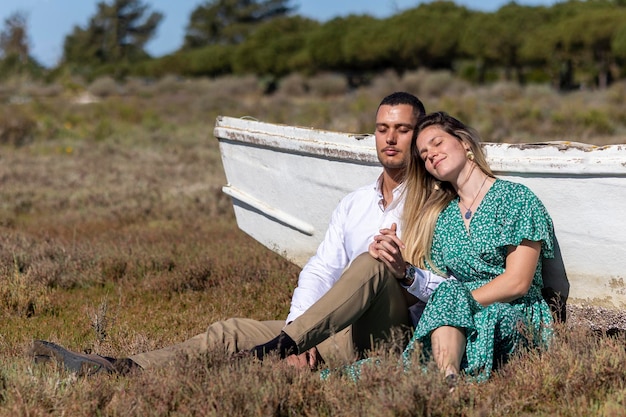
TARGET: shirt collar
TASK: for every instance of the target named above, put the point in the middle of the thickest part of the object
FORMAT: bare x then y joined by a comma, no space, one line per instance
397,193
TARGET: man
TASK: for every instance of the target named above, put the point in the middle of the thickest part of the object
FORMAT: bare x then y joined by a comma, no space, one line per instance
354,223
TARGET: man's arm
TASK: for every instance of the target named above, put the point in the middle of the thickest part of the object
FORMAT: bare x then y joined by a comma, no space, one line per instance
324,269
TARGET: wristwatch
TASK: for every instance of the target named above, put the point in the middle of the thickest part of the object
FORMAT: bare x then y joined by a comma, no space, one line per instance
409,275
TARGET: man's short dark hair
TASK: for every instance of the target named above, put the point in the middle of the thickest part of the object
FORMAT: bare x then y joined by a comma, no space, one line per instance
402,97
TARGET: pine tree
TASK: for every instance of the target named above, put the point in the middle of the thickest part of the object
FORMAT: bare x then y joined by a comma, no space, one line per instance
14,38
230,21
118,32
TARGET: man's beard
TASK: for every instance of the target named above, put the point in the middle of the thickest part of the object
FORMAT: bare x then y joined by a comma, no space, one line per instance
393,164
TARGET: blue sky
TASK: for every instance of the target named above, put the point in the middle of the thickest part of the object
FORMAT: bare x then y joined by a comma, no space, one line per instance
50,21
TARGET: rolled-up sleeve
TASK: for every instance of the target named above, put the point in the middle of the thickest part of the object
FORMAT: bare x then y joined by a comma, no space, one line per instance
425,283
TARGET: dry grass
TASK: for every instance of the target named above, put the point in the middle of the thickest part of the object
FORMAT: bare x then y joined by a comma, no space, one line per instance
116,238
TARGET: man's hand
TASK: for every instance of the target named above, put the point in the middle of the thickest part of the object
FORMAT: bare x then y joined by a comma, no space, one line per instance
309,359
387,248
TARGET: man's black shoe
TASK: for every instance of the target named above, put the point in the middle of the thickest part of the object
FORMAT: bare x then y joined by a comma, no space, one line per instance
282,344
80,363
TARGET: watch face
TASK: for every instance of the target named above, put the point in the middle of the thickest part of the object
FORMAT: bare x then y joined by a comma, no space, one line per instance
410,271
409,275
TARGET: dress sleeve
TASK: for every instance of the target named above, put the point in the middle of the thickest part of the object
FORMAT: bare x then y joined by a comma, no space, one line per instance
525,217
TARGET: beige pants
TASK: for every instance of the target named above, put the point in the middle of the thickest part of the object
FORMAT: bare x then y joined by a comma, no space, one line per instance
234,335
359,310
366,297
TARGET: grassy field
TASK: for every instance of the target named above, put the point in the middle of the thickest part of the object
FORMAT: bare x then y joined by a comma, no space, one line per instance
115,239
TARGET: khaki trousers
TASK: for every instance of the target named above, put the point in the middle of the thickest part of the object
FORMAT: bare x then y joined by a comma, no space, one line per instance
359,310
234,335
366,297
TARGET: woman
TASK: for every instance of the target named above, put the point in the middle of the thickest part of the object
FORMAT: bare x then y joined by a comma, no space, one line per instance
490,235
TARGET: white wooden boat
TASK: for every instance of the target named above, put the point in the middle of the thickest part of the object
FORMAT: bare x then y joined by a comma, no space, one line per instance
285,181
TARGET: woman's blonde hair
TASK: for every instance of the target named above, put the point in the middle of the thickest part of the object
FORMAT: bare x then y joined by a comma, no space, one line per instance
425,196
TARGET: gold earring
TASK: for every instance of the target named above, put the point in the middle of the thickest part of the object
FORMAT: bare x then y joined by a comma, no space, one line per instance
470,155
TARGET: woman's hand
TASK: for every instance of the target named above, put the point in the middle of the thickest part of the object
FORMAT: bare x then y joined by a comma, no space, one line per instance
387,248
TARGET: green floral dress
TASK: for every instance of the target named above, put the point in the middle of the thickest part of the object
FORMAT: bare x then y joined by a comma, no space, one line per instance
508,213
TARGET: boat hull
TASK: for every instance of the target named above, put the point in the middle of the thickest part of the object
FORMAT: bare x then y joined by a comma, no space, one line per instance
285,181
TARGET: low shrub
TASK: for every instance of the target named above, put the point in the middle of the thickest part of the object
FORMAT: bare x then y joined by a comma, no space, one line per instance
17,127
293,85
104,87
328,85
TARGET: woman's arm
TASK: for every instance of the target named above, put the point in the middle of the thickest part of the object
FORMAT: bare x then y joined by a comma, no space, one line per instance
521,262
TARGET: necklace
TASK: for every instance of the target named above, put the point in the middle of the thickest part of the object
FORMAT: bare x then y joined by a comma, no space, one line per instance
468,213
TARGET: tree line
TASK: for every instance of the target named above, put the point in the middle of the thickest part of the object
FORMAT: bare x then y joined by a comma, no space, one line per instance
567,44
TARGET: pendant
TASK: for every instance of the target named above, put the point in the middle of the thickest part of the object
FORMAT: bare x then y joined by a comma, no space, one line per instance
468,214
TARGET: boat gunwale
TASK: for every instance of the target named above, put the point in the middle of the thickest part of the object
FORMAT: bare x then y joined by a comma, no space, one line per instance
556,158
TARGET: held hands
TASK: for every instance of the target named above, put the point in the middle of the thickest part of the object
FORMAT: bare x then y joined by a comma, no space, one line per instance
387,248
